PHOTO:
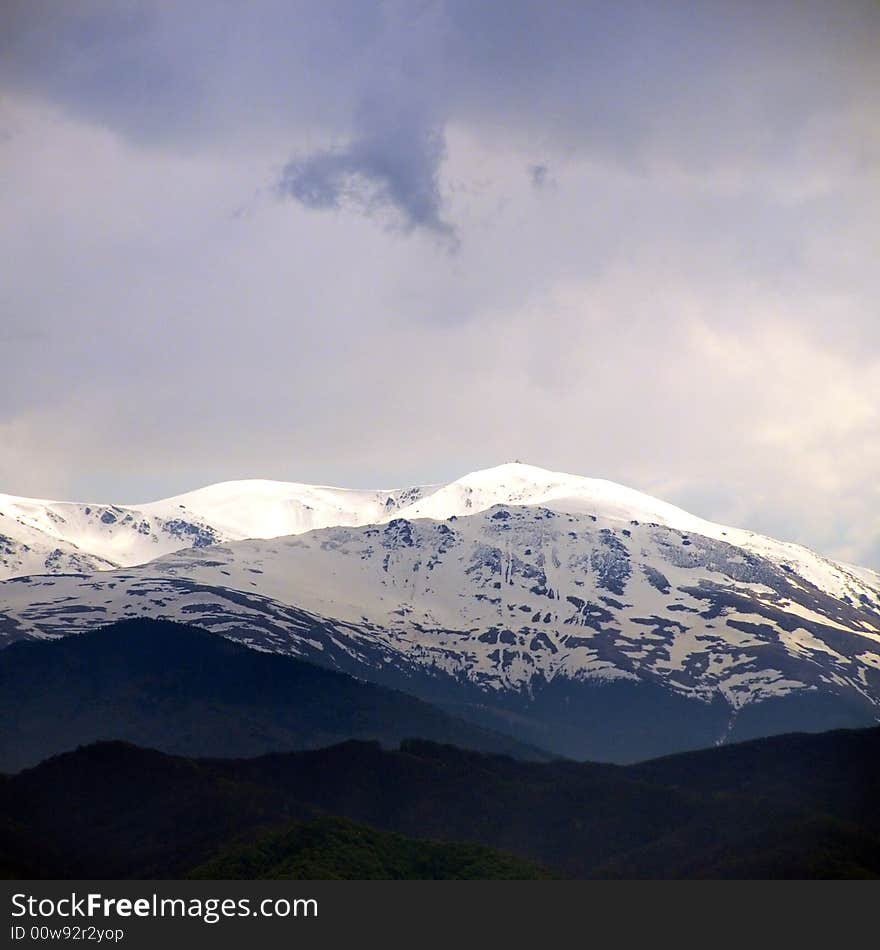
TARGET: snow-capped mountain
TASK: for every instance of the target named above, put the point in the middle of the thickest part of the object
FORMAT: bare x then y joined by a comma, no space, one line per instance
56,537
573,612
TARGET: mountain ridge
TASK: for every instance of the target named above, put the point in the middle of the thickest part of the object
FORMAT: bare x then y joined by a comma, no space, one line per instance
261,508
549,617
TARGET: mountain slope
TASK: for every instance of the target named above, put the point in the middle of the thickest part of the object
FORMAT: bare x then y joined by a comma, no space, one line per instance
89,536
26,549
113,810
183,690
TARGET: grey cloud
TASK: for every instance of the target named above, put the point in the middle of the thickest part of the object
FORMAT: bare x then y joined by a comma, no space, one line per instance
103,61
391,167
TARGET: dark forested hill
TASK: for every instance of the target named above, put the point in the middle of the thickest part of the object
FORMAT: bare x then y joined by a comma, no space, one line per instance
182,690
791,806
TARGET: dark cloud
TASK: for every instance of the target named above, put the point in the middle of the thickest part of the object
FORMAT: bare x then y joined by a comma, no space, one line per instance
694,84
391,169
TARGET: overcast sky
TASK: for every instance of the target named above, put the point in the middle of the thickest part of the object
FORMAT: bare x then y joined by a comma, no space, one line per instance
377,244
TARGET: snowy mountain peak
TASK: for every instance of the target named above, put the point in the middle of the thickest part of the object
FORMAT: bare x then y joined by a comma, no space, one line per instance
516,483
